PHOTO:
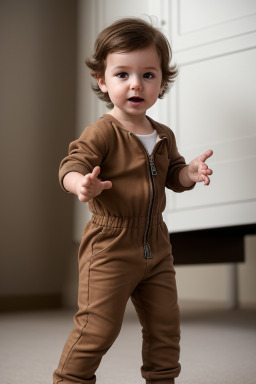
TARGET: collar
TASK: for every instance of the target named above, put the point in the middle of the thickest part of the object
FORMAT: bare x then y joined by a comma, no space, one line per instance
157,126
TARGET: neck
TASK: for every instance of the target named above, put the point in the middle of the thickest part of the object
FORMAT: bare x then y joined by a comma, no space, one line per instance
135,124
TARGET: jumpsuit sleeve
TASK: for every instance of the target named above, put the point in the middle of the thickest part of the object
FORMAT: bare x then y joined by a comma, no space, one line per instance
84,154
177,162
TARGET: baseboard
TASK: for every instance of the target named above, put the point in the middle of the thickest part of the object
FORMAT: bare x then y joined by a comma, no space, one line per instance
10,303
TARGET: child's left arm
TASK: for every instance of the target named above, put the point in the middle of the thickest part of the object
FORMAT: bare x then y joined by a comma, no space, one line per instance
196,171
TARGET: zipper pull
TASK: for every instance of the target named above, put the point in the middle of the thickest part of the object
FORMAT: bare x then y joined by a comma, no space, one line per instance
147,251
152,165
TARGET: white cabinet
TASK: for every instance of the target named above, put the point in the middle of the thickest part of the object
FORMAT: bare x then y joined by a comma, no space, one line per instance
213,106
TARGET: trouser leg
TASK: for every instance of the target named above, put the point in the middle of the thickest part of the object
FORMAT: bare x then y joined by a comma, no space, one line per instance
104,289
155,301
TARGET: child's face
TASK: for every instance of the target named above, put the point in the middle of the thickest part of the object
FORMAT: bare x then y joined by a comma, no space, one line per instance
133,80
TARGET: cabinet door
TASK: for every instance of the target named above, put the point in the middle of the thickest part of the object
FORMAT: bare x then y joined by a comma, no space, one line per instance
213,106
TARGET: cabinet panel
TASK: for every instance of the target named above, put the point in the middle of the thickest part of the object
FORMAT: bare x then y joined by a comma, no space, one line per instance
213,106
215,216
212,13
215,109
198,22
216,100
231,183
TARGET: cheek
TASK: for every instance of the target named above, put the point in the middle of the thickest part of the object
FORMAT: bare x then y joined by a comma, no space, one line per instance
154,93
116,91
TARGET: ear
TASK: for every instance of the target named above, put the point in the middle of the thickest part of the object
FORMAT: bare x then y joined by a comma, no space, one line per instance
102,85
162,88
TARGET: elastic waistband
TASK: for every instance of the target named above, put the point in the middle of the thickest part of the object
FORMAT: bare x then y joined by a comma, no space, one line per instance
125,222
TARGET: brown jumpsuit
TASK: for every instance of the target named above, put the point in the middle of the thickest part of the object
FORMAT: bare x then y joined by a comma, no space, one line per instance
125,252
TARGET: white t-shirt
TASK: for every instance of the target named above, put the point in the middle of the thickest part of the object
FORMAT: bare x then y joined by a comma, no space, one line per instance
148,141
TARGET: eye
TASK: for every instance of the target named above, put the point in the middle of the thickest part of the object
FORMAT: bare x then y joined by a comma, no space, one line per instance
122,75
148,75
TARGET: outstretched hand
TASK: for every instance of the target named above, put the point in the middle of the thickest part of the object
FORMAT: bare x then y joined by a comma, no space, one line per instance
90,186
197,169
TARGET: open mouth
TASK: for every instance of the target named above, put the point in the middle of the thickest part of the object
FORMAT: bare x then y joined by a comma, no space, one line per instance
136,100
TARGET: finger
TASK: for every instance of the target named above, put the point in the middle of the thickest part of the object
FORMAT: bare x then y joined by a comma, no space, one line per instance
86,182
95,172
206,155
202,178
86,194
85,191
83,198
90,177
206,172
203,168
106,184
206,180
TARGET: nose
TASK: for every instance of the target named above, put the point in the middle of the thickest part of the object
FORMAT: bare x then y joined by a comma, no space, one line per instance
135,83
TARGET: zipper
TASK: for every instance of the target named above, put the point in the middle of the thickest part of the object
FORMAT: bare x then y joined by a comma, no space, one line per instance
152,165
152,172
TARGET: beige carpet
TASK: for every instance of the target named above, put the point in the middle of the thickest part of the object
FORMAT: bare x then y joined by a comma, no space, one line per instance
218,346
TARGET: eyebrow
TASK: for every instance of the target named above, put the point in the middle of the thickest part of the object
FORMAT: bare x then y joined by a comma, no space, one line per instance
119,67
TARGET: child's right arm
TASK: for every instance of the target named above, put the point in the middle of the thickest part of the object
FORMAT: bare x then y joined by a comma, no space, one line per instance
85,187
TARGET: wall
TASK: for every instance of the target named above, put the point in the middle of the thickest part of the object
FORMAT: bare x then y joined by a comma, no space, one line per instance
37,98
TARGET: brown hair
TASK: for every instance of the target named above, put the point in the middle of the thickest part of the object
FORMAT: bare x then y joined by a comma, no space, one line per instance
126,35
